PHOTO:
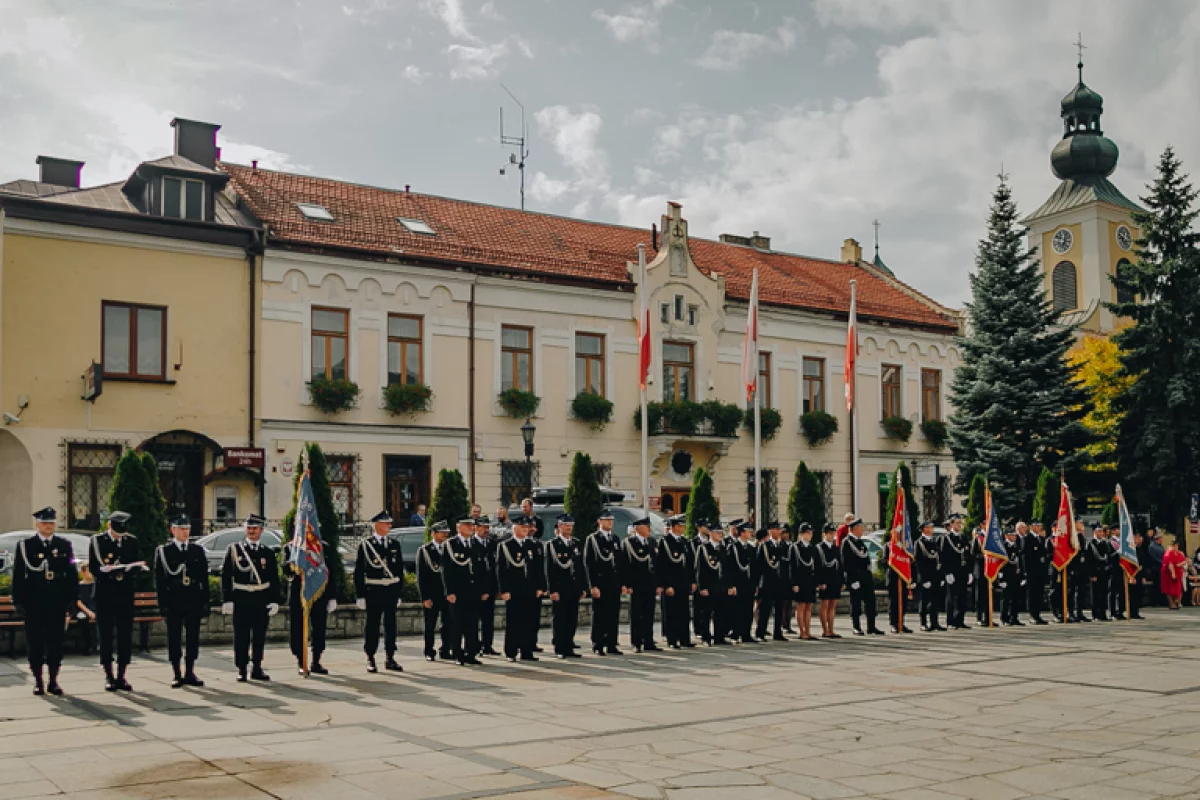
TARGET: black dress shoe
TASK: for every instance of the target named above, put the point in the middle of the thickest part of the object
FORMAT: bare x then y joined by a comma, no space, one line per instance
688,644
1040,621
371,665
1136,616
392,666
857,632
472,662
652,648
637,648
673,646
612,651
430,657
177,683
54,689
875,632
110,684
721,643
537,649
895,629
318,668
259,675
1119,616
779,638
490,651
241,675
190,679
445,655
940,628
925,629
529,657
598,651
906,630
512,659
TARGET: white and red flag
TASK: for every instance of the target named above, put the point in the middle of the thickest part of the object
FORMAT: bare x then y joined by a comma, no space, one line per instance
851,348
750,345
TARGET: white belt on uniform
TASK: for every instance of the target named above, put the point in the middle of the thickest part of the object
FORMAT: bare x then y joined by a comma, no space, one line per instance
381,581
251,587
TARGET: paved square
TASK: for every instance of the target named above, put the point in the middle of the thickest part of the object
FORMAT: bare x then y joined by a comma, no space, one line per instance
1082,712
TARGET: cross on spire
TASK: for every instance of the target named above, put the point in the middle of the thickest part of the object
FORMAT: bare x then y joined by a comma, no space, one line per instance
1080,47
875,224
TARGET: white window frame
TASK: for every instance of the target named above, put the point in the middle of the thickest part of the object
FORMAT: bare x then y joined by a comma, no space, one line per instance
315,212
183,182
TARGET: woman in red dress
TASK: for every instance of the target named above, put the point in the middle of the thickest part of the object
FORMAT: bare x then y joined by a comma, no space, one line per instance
1174,569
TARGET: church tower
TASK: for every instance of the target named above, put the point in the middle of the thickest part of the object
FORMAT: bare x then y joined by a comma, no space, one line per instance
1086,227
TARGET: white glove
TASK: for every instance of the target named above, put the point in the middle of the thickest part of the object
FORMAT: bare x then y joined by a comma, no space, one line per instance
398,602
855,585
949,580
272,609
926,585
226,608
1002,585
970,580
331,606
1023,583
108,568
361,603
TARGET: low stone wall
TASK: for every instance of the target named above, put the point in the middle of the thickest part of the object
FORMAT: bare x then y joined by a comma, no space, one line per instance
348,621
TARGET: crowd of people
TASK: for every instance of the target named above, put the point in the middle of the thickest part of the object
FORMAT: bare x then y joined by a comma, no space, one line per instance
728,584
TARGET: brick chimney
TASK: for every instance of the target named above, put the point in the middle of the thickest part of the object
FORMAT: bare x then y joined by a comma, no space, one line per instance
59,171
851,251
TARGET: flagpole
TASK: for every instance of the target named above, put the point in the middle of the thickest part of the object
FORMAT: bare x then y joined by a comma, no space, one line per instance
304,640
758,520
991,600
854,494
643,319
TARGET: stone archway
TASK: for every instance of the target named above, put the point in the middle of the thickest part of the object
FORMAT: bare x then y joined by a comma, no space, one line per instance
16,484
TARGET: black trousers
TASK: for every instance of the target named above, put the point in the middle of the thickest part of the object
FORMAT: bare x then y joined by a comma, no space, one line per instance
862,601
521,625
1099,589
894,601
641,617
930,607
436,610
703,616
465,641
675,614
564,622
487,622
1077,594
318,617
606,616
770,603
1135,599
44,631
183,623
982,590
1116,592
956,600
115,622
1010,599
743,616
1035,598
250,620
380,612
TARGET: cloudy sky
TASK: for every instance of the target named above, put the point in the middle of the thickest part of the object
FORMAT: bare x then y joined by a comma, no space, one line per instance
803,119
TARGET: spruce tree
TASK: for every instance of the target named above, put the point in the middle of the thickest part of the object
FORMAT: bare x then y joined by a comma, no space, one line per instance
1108,516
976,502
583,500
1045,502
1017,406
701,503
135,493
450,502
910,502
157,529
805,503
327,518
1159,436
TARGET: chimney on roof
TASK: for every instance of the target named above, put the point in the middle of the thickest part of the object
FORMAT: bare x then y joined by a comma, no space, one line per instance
196,141
851,251
59,171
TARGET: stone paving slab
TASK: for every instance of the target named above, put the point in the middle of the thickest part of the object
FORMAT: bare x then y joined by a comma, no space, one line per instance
1080,712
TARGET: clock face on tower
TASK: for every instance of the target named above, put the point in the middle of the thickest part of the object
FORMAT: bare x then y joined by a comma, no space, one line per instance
1124,238
1062,241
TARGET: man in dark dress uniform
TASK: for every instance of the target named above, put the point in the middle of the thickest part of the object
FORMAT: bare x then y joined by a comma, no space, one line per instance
520,580
1011,581
485,554
250,587
318,617
829,579
1079,577
603,574
1098,553
1116,576
566,585
712,589
676,572
463,593
1035,566
739,561
895,595
773,586
856,565
45,588
639,581
927,553
378,579
433,591
1137,580
181,582
983,587
113,560
955,552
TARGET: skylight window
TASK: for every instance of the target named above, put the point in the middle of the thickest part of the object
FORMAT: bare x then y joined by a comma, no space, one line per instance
416,226
315,211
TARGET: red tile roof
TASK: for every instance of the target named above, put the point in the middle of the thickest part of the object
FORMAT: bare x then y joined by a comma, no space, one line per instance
551,247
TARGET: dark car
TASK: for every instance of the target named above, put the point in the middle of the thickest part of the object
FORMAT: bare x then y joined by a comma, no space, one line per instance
8,546
410,539
216,543
623,518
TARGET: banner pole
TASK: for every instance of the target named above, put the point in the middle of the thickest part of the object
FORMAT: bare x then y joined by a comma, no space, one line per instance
991,603
1064,584
900,600
304,639
1128,613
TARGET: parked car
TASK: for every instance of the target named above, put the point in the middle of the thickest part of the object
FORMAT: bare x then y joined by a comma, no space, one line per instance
623,518
216,543
8,546
410,539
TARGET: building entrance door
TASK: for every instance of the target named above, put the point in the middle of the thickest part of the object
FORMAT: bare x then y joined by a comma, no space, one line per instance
406,486
675,501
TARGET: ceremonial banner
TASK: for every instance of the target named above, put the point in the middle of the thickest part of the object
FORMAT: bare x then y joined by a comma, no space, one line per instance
1129,556
900,545
995,554
851,350
307,557
1066,543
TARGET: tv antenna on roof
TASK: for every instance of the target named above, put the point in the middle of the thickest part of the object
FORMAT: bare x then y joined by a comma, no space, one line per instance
519,142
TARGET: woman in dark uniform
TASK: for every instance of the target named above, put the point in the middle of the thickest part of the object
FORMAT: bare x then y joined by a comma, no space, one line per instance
803,571
828,567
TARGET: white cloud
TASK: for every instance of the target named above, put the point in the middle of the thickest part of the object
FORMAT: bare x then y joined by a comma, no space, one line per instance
575,138
729,50
450,12
267,159
414,74
475,62
839,48
634,22
489,11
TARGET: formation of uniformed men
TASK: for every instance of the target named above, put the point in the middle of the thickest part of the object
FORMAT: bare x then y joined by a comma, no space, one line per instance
709,587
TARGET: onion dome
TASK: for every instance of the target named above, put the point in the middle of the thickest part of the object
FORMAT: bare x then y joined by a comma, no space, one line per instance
1084,150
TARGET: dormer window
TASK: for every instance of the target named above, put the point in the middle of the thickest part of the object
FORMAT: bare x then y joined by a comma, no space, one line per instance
416,226
183,198
315,211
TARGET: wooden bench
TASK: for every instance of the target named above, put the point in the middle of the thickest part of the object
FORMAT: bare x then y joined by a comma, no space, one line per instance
145,614
10,622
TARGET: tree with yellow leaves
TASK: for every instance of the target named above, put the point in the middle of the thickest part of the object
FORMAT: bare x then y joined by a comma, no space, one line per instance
1096,361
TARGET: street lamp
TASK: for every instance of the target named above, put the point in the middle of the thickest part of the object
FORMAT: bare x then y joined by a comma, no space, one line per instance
527,431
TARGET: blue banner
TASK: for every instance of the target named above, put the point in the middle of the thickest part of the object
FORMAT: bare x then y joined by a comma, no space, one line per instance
1129,556
307,555
995,554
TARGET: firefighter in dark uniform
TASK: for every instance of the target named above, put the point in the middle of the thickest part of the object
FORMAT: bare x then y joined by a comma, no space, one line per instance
181,581
433,591
113,559
891,582
856,566
638,580
485,553
463,593
1011,581
566,585
675,569
45,588
739,564
829,580
1035,566
927,553
600,567
250,587
378,579
520,580
1098,555
773,586
956,554
802,578
711,588
1079,577
318,617
983,587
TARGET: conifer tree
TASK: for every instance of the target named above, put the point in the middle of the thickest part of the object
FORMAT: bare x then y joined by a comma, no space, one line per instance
1108,516
1045,502
910,502
450,502
158,527
976,502
1159,439
583,500
805,503
701,503
137,494
1017,406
